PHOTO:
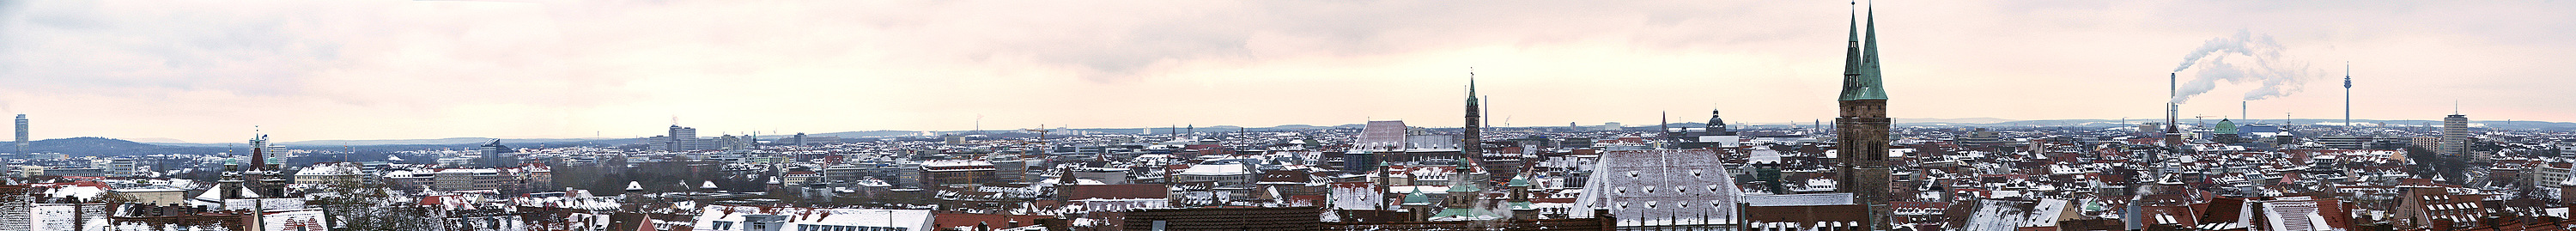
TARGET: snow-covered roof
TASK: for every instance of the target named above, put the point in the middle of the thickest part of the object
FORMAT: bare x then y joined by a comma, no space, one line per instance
956,163
1811,199
819,217
330,169
1217,170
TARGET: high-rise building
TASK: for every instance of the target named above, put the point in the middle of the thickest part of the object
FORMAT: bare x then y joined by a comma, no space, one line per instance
681,139
22,134
1861,129
2455,135
496,155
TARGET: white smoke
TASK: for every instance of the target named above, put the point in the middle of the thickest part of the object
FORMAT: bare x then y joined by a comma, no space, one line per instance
2263,65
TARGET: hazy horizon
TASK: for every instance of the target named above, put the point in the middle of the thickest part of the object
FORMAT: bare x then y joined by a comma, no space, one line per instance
203,71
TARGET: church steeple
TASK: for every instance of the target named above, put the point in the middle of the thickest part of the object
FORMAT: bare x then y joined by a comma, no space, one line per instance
1851,58
1860,63
1862,127
1717,126
1468,149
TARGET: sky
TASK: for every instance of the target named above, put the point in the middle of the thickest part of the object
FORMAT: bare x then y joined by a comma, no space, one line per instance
220,71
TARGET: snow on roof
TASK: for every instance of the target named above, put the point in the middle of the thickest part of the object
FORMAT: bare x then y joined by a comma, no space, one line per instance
401,173
956,163
2046,215
1811,199
1998,215
330,169
1423,188
1216,170
798,216
82,192
584,203
469,171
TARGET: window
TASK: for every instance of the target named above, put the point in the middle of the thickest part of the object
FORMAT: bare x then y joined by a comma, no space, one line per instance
803,227
724,225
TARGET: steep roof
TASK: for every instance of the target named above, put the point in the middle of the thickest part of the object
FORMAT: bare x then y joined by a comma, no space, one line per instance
1116,191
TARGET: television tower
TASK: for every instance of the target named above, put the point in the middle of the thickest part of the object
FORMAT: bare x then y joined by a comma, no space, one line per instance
2347,94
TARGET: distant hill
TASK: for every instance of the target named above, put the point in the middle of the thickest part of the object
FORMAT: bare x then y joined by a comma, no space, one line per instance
862,134
95,146
1979,120
445,141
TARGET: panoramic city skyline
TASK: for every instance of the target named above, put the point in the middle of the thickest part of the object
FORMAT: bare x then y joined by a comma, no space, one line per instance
1444,116
210,71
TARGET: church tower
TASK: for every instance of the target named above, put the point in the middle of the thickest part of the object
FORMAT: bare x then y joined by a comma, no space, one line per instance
1862,127
1717,126
1468,144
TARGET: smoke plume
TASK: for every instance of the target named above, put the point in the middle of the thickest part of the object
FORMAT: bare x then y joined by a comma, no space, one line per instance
2260,64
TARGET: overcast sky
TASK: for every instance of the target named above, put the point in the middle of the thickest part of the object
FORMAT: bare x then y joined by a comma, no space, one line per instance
208,71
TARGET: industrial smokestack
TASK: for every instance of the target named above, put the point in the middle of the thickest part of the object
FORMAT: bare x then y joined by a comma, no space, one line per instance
2173,134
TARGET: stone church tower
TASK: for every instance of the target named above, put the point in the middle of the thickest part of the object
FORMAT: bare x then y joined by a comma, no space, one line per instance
1862,127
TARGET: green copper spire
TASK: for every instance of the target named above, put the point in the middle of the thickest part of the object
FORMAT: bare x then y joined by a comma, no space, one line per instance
1861,72
1416,197
1851,57
1518,181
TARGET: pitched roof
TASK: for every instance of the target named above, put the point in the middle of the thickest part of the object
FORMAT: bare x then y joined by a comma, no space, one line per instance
1117,191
